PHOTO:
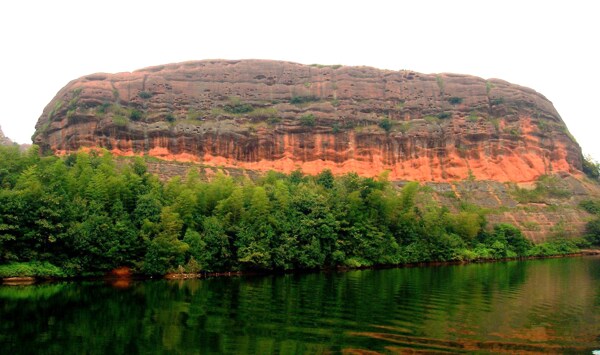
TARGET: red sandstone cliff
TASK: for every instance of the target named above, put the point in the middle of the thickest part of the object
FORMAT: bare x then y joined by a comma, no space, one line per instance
265,115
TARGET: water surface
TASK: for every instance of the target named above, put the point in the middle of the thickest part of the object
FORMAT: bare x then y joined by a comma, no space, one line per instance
548,305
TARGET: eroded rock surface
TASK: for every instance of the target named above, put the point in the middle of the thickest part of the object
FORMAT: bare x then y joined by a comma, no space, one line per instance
263,115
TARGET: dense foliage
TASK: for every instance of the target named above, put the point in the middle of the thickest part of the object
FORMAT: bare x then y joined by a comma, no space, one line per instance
590,167
90,212
593,227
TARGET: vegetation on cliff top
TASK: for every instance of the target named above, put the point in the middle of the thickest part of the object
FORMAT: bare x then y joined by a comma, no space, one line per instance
90,213
593,226
591,168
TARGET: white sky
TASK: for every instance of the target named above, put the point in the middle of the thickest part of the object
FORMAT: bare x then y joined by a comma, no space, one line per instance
552,47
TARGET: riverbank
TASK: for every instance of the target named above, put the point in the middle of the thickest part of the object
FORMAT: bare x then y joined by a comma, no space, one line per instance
121,277
184,276
537,306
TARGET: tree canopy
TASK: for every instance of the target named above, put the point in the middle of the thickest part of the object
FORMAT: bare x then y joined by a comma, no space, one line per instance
91,212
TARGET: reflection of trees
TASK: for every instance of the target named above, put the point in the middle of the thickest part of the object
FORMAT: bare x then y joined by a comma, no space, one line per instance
312,313
594,274
75,318
37,293
295,310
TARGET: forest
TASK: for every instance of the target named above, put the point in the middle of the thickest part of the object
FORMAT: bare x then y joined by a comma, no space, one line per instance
89,212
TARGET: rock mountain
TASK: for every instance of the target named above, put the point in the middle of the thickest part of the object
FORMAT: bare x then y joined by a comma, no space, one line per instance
262,115
4,140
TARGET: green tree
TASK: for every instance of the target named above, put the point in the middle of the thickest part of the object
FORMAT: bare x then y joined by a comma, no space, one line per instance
592,230
465,224
166,252
325,179
148,208
214,252
386,124
590,167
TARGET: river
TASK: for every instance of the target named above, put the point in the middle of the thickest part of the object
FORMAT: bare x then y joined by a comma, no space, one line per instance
550,305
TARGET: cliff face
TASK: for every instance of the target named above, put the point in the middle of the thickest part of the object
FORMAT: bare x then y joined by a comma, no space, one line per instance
263,115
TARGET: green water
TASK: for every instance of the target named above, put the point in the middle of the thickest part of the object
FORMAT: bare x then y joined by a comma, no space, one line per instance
539,306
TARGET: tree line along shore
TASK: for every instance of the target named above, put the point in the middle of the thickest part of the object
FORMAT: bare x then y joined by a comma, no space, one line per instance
88,213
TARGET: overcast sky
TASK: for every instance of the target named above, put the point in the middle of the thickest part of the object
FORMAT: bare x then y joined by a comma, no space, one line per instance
551,47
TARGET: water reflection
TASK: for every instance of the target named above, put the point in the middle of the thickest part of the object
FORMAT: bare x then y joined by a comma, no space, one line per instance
538,306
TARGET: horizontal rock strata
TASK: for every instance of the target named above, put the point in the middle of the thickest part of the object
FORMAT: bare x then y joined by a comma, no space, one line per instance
263,115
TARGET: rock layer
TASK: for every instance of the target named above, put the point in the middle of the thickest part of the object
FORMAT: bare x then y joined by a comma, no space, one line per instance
263,115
